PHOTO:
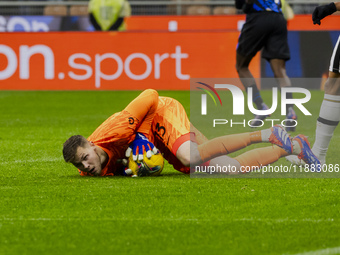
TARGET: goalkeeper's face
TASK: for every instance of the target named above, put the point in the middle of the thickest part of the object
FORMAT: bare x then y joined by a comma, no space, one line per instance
87,159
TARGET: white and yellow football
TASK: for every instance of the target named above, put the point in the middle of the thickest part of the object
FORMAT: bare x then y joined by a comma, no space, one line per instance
148,166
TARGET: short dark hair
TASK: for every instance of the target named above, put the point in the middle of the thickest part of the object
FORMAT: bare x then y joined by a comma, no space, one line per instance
71,145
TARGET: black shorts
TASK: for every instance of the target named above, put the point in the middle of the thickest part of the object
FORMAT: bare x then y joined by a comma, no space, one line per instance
267,30
335,59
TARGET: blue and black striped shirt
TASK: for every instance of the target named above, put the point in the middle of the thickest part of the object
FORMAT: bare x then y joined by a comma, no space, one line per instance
260,5
267,5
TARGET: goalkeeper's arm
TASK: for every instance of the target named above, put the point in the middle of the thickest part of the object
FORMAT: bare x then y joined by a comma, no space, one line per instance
143,108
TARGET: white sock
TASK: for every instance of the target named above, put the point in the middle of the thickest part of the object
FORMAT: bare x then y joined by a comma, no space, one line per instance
323,136
296,148
328,120
265,134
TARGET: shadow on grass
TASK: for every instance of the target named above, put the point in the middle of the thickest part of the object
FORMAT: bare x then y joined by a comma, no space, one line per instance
78,177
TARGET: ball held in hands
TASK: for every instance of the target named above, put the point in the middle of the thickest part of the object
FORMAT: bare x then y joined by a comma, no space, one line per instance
139,146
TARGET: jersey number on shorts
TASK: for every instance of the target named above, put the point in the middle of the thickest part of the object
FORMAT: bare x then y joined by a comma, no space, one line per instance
160,131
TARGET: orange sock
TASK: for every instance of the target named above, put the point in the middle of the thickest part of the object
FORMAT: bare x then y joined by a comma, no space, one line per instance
227,144
255,137
261,156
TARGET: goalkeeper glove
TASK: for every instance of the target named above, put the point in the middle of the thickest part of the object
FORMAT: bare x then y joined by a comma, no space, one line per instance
140,145
322,11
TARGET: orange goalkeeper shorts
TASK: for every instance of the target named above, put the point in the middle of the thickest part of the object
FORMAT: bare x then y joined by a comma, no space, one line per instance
171,128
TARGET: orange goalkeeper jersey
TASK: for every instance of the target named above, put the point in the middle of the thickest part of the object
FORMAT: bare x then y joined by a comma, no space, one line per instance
118,131
162,120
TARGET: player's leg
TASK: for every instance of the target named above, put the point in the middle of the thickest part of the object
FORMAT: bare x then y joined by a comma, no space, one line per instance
242,68
329,116
276,51
251,40
230,143
328,120
195,154
263,156
189,154
279,69
247,79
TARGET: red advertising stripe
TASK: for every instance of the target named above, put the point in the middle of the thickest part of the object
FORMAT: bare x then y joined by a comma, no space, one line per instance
210,22
222,22
115,61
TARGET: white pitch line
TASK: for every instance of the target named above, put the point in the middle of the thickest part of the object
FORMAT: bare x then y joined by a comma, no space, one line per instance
327,251
269,221
20,161
286,220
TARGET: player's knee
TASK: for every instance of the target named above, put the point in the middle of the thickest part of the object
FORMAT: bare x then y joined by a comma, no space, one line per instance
242,69
185,159
332,86
242,63
183,153
188,154
278,68
238,67
279,73
193,158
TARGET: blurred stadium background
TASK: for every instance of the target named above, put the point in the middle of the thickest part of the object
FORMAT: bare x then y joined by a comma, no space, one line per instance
141,7
151,53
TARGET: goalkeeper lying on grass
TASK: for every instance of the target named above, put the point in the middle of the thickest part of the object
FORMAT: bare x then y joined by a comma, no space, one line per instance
150,121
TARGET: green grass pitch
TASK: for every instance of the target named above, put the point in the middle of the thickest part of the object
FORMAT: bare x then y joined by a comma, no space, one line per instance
47,208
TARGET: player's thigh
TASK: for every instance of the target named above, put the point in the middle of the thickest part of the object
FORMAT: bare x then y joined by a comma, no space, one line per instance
171,126
332,86
242,61
253,36
276,45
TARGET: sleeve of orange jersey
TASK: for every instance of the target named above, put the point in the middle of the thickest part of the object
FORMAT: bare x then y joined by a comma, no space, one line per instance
144,108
